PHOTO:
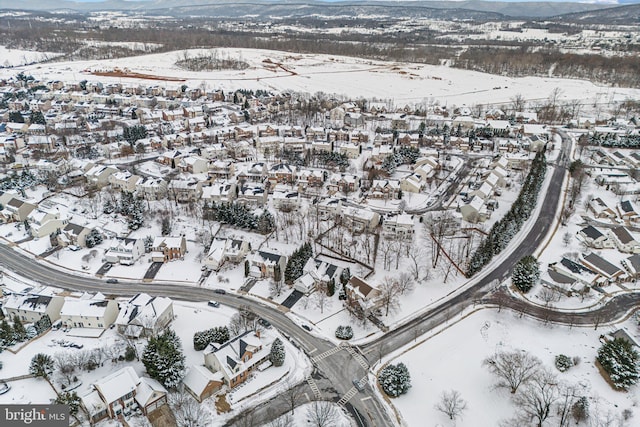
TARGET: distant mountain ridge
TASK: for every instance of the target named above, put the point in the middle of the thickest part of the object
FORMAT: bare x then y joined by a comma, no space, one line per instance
506,8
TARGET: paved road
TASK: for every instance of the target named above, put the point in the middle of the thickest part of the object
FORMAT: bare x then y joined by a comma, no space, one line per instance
335,372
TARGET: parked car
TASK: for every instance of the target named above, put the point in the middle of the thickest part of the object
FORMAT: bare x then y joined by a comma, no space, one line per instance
357,385
220,291
213,303
265,323
307,327
4,387
112,280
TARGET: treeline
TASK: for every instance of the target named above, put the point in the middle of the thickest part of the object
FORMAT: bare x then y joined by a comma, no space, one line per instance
611,140
503,231
614,70
240,216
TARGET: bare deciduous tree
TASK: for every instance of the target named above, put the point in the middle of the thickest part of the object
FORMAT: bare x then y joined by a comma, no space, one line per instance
451,404
513,368
292,394
389,294
405,283
537,396
322,414
282,421
187,411
567,398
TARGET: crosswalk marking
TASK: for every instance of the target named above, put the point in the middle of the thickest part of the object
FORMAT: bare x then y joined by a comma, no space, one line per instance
314,387
344,399
358,357
326,354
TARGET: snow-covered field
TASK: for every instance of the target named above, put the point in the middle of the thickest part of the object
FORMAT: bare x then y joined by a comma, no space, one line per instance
348,76
18,57
467,343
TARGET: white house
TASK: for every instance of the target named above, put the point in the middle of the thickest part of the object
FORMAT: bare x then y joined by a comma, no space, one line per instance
624,240
124,250
30,308
223,250
144,315
399,226
94,312
263,263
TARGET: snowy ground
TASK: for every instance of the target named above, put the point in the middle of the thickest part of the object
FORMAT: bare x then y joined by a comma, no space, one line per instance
483,333
18,57
303,416
353,77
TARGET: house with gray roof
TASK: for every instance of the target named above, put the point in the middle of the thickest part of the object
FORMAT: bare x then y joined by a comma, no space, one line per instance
606,271
32,307
594,238
624,240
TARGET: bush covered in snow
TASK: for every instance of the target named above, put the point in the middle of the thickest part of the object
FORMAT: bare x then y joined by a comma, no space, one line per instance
344,332
619,359
563,362
202,339
395,379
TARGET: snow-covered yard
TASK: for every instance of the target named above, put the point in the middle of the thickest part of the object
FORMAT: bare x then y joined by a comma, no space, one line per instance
467,343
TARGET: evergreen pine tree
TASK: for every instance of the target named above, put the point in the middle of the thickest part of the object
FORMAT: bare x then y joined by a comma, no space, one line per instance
71,399
277,353
163,359
620,360
41,365
19,331
526,273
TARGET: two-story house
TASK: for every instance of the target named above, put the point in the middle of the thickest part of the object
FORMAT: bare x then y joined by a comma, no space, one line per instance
264,263
94,312
123,250
167,249
30,308
144,315
237,358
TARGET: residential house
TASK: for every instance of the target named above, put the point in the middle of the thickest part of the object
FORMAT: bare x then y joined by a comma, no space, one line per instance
74,234
222,169
30,308
624,240
150,188
121,392
594,238
167,249
317,272
399,226
193,164
359,219
600,209
606,271
144,315
627,211
16,210
384,189
185,189
362,296
475,211
226,249
93,312
219,192
123,250
201,383
45,222
282,173
98,175
286,200
252,194
265,264
124,181
632,265
238,357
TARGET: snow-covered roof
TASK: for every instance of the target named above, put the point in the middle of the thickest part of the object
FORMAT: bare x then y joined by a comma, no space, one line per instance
29,302
117,384
148,390
84,307
142,309
199,377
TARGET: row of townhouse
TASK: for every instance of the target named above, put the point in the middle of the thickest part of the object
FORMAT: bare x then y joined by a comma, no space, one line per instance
481,201
141,315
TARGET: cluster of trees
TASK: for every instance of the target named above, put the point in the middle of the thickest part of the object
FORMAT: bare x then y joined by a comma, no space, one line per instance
19,181
533,61
93,238
133,133
163,359
395,379
218,334
537,393
129,206
400,156
503,231
614,140
330,159
620,360
240,216
16,332
210,61
296,263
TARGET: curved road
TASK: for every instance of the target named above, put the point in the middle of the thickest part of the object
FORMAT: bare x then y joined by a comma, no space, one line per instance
335,368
